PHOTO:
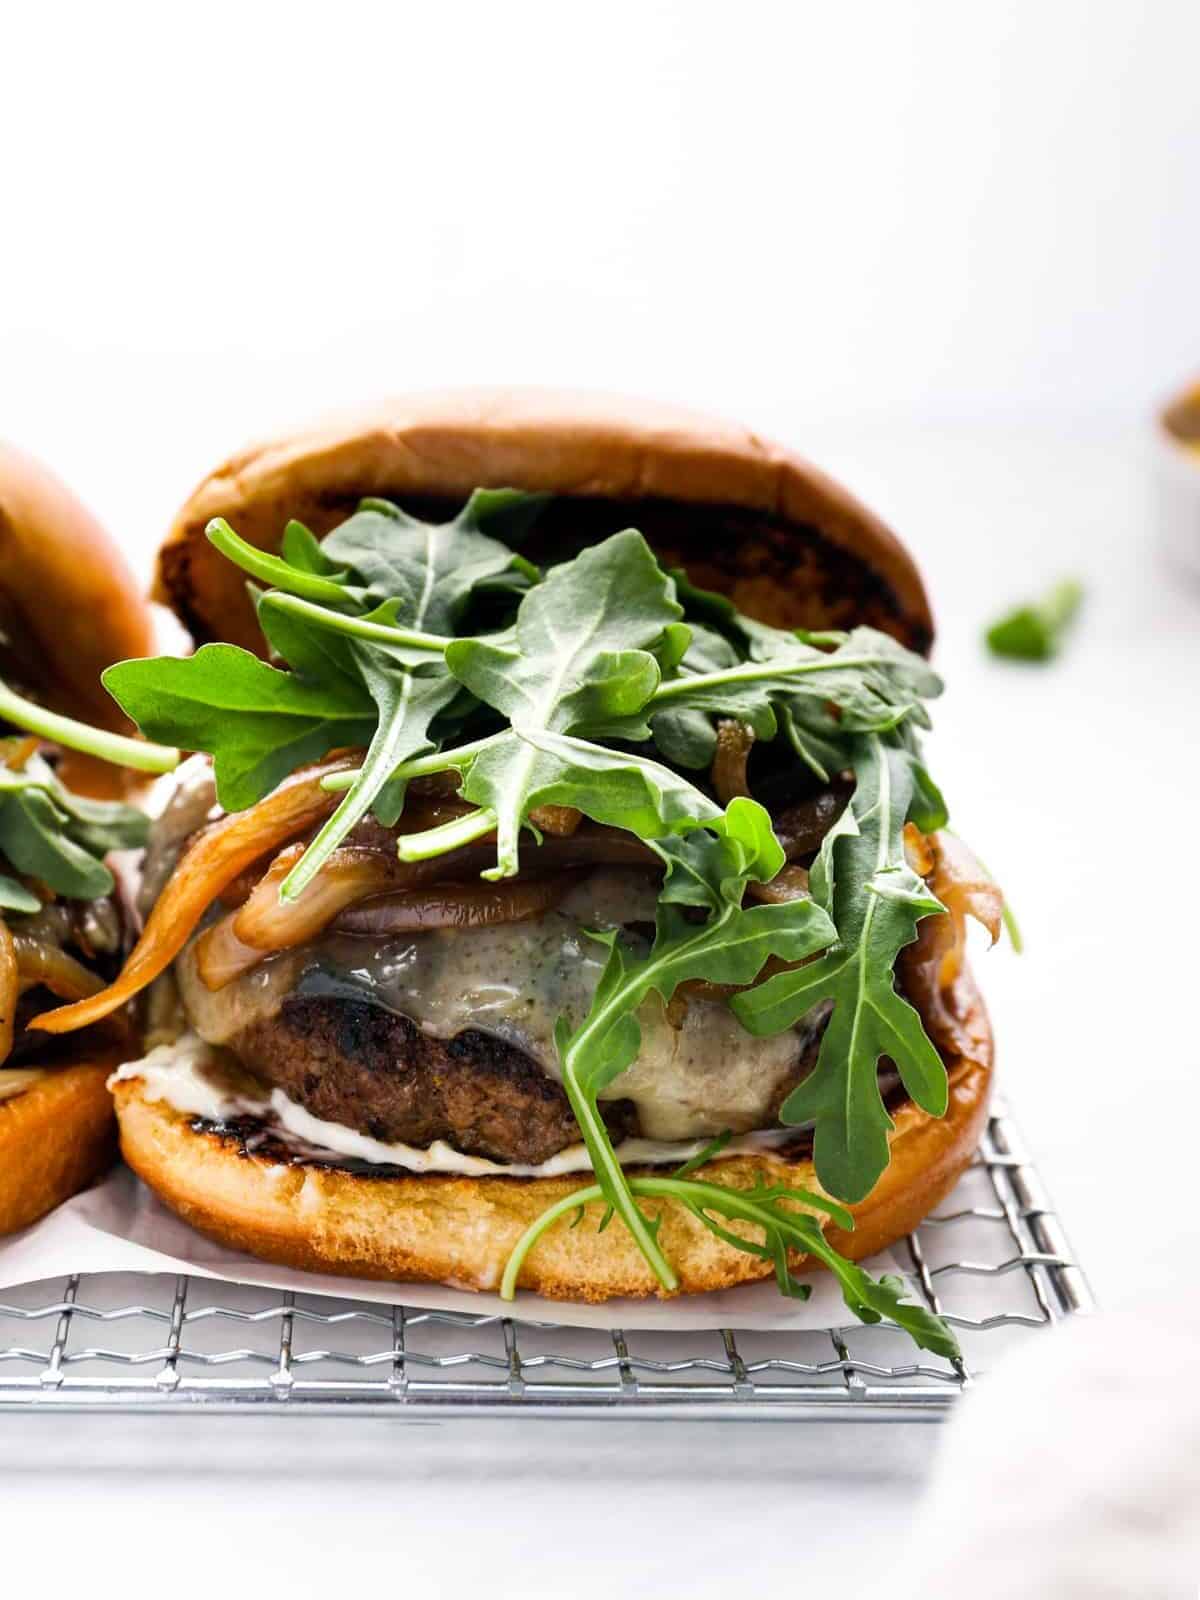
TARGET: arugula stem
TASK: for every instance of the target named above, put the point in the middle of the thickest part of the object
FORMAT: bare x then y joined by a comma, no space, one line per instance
595,1135
572,1202
803,1231
437,841
754,672
422,766
115,747
271,570
356,627
615,1184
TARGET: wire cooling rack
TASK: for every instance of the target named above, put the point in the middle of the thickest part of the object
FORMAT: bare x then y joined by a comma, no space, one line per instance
994,1261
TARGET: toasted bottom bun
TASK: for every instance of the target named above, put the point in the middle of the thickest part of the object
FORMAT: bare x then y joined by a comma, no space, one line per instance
460,1231
55,1138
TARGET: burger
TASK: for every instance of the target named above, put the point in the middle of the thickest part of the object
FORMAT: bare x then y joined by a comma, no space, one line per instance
561,899
69,607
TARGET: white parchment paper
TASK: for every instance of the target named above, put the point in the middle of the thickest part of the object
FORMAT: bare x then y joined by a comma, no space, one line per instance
119,1226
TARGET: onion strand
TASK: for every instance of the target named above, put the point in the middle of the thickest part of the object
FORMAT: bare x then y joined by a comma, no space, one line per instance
10,989
212,861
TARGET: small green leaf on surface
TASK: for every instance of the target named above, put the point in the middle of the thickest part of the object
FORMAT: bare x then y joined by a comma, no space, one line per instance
1036,632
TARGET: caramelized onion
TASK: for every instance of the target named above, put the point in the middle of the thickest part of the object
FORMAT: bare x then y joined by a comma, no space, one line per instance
266,924
593,845
734,740
918,850
458,905
19,752
422,811
51,966
437,785
800,828
356,873
965,890
10,988
211,862
235,894
561,821
791,883
221,956
930,966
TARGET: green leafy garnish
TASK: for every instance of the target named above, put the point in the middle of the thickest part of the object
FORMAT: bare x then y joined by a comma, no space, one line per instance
1035,632
58,837
773,1209
581,658
704,873
820,687
259,722
362,620
861,878
27,715
599,687
874,683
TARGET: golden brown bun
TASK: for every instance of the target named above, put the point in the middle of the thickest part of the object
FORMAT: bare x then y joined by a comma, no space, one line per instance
786,542
70,603
460,1231
55,1138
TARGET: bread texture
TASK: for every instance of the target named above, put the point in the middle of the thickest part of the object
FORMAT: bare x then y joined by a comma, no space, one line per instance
757,522
55,1139
460,1231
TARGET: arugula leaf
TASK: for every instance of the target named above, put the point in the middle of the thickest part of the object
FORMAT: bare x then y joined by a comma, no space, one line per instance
1035,632
423,575
59,838
98,825
361,620
257,722
687,737
861,878
817,705
582,656
15,896
617,787
301,548
874,682
427,570
705,871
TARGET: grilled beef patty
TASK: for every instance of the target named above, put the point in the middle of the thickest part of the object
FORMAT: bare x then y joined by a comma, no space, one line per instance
354,1063
373,1070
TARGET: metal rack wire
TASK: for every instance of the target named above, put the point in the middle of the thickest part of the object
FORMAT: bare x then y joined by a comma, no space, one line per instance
120,1342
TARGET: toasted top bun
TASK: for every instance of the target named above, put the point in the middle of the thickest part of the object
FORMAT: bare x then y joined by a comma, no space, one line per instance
69,604
745,517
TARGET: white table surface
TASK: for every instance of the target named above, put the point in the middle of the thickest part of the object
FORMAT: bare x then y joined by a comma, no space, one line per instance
1078,785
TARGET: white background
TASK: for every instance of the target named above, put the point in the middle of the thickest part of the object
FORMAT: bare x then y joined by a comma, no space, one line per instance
216,217
951,251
